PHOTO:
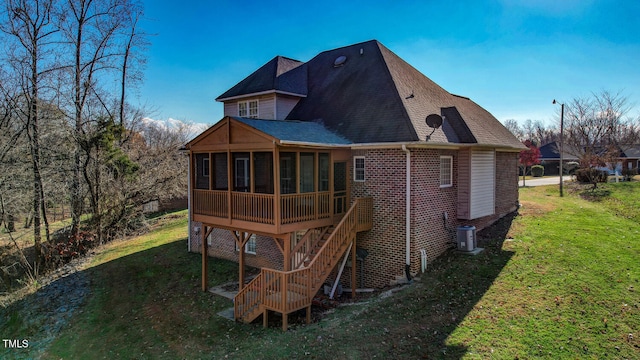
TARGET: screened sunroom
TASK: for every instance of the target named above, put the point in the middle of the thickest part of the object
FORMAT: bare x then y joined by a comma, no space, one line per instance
268,176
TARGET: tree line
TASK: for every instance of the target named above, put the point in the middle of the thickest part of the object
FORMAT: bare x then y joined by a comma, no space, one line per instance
68,133
597,129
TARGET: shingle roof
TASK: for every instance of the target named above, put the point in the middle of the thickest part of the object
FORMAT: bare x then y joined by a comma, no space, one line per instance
280,73
551,151
298,131
632,152
375,96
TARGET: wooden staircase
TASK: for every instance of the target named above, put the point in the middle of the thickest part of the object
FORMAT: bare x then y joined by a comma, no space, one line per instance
289,291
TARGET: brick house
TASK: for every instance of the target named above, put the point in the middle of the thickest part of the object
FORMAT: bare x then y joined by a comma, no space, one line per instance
319,159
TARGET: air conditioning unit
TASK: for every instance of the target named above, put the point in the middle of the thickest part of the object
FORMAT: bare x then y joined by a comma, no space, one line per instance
467,238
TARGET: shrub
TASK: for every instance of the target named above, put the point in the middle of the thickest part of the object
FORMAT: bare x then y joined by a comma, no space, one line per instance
591,176
537,170
70,248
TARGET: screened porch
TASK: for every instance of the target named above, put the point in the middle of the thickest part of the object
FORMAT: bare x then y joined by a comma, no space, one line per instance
249,190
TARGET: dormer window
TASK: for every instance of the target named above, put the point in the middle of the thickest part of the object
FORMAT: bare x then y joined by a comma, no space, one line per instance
248,109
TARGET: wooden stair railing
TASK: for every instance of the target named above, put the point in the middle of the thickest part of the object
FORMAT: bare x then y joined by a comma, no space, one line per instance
288,291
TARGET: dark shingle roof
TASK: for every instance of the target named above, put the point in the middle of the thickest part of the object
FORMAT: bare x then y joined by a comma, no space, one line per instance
298,131
280,73
378,97
357,99
375,96
551,151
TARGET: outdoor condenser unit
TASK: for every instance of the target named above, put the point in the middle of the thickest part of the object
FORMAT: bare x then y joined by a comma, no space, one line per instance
466,238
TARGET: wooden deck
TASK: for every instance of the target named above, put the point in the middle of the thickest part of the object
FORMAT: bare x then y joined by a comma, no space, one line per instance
263,212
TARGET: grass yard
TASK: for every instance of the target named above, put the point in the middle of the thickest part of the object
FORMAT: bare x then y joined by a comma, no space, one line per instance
560,281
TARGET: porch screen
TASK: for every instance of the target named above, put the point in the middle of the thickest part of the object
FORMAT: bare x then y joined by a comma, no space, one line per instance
287,173
323,172
201,171
220,166
307,165
263,170
241,172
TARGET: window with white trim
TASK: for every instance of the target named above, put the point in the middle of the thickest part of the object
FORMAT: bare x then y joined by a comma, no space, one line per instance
446,171
248,109
358,168
250,246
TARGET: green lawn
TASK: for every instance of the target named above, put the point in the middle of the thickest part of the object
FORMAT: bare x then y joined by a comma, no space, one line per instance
560,281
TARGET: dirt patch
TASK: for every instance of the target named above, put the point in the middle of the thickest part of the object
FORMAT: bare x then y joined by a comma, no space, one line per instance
529,208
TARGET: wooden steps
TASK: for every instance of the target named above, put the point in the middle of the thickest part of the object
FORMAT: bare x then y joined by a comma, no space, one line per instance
288,291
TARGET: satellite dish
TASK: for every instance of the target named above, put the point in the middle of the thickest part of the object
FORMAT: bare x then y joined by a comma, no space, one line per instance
434,121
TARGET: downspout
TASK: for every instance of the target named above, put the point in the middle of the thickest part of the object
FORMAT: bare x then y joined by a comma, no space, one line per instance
407,266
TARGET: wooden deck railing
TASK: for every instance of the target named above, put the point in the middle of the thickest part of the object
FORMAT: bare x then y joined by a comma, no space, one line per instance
365,214
285,291
253,207
248,298
260,208
301,250
304,207
210,202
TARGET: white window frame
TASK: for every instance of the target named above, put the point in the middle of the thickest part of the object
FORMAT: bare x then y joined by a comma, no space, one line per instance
359,173
246,112
250,247
448,174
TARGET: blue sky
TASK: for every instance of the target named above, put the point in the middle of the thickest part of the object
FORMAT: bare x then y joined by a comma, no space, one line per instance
513,57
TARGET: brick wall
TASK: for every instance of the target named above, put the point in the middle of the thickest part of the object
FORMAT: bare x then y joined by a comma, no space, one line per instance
223,246
429,202
385,242
385,182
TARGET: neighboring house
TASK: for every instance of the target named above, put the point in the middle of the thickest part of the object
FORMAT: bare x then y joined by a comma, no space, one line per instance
337,149
550,158
628,158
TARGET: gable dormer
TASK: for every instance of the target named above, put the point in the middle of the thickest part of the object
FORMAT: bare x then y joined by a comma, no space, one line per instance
268,93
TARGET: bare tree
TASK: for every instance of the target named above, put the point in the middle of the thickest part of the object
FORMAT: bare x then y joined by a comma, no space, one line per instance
544,134
93,30
29,24
513,126
597,129
534,131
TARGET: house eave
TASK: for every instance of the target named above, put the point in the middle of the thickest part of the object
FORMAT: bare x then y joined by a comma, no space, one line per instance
430,145
312,144
266,92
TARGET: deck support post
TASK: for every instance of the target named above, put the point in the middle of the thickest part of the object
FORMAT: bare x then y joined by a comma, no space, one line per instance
286,262
353,268
241,239
265,318
205,260
285,322
241,270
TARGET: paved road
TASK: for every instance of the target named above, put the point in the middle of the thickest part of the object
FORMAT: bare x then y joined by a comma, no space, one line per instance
544,181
